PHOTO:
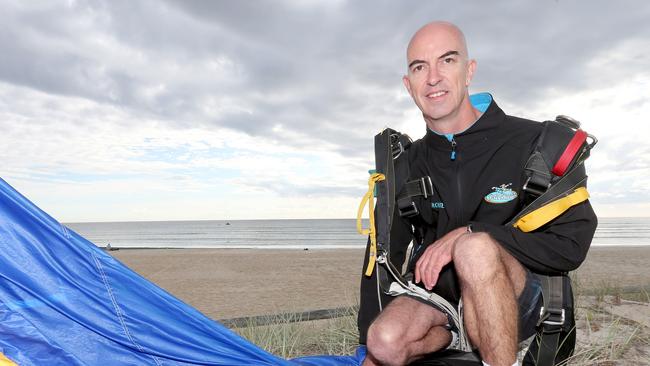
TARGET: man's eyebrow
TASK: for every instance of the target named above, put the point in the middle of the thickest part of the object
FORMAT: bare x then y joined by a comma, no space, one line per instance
449,53
415,62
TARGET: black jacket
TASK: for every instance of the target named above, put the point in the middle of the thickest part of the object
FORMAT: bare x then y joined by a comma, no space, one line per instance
490,154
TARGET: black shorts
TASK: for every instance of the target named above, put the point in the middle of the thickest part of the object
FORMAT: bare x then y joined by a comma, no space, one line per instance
530,303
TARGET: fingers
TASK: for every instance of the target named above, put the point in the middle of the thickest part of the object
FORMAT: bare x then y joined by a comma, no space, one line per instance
434,258
431,276
418,268
428,268
421,264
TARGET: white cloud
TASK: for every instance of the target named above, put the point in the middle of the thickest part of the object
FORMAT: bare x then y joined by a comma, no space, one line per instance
183,110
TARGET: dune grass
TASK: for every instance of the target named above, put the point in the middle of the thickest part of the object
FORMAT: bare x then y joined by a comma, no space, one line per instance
606,339
290,336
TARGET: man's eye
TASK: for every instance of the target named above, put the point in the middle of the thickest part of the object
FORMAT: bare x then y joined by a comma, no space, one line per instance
418,68
449,60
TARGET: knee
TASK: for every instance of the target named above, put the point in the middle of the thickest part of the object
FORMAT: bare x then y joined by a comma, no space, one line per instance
385,344
476,258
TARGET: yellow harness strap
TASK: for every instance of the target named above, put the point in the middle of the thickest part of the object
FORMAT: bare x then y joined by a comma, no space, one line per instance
368,198
548,212
4,361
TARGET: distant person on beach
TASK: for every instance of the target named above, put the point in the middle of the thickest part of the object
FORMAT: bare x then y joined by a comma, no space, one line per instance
474,154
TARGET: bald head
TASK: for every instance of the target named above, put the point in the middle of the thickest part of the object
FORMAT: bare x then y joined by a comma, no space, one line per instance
438,32
439,74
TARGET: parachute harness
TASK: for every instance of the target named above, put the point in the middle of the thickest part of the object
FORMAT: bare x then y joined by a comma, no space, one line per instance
550,191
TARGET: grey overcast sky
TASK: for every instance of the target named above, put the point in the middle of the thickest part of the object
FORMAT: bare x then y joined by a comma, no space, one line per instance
170,110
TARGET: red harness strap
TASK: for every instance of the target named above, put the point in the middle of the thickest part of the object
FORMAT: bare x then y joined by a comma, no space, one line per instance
569,153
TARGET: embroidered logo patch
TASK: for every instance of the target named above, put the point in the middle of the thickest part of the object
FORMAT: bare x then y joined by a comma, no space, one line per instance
437,205
501,194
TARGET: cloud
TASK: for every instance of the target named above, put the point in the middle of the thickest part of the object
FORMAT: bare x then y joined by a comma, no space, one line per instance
189,94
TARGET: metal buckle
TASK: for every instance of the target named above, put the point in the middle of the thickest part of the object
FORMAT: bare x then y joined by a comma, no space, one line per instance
381,257
426,190
536,191
409,211
551,319
594,141
396,146
568,121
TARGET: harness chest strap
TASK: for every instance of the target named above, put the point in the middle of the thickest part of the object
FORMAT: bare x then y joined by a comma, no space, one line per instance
368,198
550,211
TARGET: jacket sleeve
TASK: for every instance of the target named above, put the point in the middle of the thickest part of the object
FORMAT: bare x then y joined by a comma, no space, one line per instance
559,246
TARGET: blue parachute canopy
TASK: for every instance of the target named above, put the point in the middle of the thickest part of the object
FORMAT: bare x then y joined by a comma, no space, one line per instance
63,301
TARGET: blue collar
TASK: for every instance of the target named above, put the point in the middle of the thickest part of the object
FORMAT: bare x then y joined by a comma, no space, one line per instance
481,101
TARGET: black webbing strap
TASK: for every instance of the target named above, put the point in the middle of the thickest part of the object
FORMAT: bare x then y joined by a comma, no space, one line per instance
566,185
539,175
554,139
414,188
552,319
388,146
537,170
385,189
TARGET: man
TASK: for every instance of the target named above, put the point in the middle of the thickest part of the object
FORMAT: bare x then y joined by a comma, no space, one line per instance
471,152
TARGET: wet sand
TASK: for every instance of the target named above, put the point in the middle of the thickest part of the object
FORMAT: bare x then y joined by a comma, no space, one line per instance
226,283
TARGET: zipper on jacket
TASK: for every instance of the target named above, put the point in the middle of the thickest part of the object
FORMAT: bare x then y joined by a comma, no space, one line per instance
459,190
459,196
453,149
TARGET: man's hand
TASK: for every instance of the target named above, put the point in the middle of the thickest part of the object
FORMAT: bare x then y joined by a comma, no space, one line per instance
436,256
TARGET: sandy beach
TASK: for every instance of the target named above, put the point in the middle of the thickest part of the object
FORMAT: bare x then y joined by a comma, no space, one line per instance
226,283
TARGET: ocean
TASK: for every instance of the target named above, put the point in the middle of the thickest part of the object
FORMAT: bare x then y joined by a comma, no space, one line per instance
290,234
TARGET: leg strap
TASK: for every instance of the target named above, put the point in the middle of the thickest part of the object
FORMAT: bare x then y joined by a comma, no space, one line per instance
552,319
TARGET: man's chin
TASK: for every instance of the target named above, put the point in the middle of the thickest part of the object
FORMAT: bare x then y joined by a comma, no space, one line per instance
436,116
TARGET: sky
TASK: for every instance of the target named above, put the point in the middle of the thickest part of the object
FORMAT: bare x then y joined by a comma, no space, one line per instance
196,110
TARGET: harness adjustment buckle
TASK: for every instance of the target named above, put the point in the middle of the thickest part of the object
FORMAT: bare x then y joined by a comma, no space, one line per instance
553,317
533,188
381,257
396,146
427,186
409,210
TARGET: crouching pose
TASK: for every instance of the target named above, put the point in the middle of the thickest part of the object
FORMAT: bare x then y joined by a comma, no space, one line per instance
474,158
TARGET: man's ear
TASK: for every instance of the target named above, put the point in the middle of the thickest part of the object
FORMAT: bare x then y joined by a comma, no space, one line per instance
471,67
407,84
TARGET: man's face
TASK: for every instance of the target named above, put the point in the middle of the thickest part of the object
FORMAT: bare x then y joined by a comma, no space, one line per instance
438,73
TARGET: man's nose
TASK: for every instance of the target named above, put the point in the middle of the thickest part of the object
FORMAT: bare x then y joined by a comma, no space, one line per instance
433,77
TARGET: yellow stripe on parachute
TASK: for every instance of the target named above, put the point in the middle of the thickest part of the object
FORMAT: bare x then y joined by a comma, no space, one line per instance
4,361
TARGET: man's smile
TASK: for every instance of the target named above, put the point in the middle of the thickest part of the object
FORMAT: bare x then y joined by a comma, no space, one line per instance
437,94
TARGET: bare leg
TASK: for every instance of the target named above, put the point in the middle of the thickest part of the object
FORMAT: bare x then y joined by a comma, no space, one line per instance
491,280
405,331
